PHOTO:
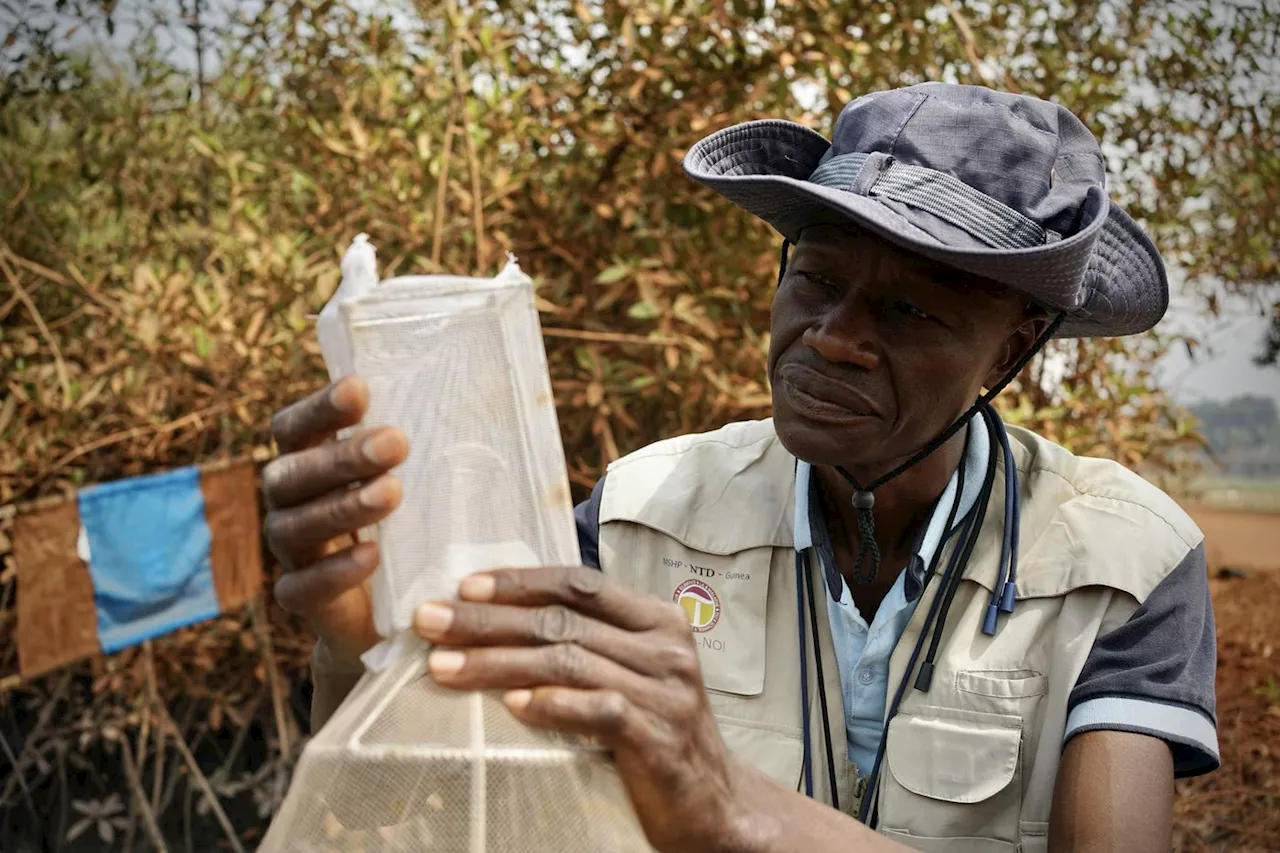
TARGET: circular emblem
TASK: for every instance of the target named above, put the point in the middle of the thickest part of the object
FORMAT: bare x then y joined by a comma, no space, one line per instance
700,603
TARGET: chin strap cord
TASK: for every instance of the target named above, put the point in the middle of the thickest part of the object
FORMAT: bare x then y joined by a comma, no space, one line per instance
867,560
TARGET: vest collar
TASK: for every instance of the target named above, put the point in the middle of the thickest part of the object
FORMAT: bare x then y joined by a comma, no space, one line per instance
977,456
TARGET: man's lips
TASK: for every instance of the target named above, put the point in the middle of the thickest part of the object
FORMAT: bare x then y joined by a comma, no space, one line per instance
822,398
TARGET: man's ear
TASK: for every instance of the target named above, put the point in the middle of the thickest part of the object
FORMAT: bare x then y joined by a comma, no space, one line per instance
1018,343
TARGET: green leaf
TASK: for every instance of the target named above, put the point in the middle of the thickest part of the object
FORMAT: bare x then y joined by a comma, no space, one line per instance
643,311
612,274
585,360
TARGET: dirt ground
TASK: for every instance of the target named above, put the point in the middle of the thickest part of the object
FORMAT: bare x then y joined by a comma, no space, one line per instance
1238,538
1238,807
1235,809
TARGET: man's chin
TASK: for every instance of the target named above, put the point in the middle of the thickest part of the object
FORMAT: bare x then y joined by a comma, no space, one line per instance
852,441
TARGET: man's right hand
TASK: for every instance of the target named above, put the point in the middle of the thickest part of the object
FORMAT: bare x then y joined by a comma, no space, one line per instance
319,493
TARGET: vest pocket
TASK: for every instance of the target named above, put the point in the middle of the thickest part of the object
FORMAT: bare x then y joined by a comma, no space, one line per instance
725,598
1002,684
949,845
1034,837
778,755
953,774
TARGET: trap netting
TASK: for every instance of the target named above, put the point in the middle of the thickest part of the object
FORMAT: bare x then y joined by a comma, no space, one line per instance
405,765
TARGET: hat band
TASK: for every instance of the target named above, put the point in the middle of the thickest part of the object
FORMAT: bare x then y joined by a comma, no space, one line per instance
943,195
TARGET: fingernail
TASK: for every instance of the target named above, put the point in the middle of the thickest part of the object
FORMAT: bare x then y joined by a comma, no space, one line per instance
382,448
433,619
382,492
517,700
445,662
345,394
476,588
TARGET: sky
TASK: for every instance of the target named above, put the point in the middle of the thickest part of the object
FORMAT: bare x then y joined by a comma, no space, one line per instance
1224,365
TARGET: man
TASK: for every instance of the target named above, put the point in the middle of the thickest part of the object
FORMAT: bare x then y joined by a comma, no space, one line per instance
878,619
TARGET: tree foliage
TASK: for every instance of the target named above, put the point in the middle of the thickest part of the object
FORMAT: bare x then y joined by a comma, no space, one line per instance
174,210
169,226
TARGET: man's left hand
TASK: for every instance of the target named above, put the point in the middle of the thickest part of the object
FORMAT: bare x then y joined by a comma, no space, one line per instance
578,652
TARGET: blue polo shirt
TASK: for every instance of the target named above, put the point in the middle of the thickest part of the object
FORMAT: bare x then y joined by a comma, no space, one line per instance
862,650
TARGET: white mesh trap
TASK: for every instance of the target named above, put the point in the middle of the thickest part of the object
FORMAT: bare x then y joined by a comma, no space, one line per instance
404,765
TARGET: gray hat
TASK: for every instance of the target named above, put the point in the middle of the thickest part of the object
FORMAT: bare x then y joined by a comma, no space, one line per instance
1008,187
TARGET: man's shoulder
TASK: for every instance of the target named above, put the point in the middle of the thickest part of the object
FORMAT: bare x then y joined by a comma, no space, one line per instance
1093,520
719,491
1103,480
724,443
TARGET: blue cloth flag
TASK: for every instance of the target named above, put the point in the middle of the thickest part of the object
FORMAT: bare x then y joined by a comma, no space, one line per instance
149,556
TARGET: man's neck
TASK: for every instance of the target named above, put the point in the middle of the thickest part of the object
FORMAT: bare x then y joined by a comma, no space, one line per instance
902,507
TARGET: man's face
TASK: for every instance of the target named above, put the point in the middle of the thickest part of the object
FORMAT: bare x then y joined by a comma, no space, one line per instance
875,351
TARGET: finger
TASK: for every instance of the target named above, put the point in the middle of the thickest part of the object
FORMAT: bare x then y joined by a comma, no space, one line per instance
315,418
306,591
297,477
510,668
462,623
605,714
300,533
579,588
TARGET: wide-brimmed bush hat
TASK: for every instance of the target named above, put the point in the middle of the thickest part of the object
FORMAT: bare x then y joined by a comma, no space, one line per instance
1008,187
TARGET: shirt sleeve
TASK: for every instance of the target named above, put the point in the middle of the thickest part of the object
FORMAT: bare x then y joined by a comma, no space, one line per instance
587,517
1154,674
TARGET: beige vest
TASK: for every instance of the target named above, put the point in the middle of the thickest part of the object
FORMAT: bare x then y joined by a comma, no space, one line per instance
970,765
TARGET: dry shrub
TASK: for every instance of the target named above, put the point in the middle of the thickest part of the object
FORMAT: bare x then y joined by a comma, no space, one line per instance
172,247
165,239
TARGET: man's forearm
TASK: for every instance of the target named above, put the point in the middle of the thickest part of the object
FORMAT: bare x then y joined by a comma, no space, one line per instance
1114,792
331,680
772,819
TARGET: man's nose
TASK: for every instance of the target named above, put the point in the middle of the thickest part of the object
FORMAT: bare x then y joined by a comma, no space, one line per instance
846,334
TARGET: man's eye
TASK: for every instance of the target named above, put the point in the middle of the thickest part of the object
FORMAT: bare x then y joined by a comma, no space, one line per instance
815,278
910,310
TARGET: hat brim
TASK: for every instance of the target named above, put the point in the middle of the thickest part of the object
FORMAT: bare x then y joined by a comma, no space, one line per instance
1107,278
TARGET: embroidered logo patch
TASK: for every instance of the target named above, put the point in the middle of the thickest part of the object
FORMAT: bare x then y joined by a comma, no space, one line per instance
700,603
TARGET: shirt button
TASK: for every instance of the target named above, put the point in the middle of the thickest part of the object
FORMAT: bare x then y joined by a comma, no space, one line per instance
865,676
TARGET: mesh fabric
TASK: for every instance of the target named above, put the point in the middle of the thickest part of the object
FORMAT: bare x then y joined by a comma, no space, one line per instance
406,765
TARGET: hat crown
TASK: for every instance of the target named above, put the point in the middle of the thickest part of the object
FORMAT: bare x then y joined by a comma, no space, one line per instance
1007,187
1034,156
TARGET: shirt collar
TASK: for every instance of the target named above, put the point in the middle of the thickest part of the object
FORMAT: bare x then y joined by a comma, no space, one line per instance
811,529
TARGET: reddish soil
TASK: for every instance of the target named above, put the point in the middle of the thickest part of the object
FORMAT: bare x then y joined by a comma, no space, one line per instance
1239,539
1238,807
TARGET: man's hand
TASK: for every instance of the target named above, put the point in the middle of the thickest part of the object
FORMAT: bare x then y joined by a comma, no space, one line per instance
315,513
578,652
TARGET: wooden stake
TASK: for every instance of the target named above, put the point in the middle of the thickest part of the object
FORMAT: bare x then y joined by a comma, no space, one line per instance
201,781
262,628
149,664
140,800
